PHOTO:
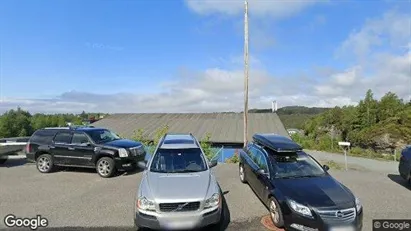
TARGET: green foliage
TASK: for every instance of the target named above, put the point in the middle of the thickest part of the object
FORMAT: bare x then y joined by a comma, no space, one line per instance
234,159
374,127
294,116
206,146
14,123
149,143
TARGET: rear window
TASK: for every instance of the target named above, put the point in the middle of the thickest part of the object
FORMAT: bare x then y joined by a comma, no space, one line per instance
42,136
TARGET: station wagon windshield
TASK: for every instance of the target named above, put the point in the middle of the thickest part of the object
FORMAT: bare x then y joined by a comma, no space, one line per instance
178,161
296,167
102,136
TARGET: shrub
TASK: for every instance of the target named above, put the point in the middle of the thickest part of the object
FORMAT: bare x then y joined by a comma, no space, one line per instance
234,159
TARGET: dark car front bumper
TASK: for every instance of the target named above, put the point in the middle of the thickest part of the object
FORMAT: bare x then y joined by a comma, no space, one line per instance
293,222
128,163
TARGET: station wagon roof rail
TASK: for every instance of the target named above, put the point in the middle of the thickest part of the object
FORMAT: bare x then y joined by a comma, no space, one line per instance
277,143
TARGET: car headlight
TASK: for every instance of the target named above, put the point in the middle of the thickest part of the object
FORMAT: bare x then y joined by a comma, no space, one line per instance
145,204
122,152
358,205
213,201
299,208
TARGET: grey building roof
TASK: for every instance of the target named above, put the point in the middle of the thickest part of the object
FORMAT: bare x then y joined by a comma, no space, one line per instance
222,127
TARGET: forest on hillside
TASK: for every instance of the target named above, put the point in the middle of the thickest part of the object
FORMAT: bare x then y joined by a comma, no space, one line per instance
17,123
377,125
294,116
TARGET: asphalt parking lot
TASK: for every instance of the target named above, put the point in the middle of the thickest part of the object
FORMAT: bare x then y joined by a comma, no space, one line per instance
80,198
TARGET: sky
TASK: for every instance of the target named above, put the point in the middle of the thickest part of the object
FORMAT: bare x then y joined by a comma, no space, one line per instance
124,56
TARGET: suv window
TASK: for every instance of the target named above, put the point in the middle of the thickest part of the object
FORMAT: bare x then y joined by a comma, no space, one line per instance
178,161
63,137
42,136
102,135
79,138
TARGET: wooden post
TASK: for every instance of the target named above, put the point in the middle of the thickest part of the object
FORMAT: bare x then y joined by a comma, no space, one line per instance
245,73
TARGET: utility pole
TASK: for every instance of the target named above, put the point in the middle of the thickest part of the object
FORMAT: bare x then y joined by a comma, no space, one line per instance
245,72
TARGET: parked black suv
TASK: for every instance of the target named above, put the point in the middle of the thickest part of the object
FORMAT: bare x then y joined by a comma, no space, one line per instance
299,193
86,147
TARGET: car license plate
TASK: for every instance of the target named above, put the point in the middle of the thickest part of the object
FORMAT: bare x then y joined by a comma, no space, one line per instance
343,228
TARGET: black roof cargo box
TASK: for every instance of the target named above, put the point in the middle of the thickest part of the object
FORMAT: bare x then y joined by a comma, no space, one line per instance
277,143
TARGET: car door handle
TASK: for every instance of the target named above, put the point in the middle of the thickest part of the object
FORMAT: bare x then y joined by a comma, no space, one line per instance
70,148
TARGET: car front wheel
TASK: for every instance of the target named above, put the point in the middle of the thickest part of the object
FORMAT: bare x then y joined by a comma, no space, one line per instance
105,167
275,213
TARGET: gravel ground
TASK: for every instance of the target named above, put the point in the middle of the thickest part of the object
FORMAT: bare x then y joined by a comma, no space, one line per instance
81,198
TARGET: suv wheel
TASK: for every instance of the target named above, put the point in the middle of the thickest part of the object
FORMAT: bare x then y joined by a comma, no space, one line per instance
275,213
45,163
241,173
105,167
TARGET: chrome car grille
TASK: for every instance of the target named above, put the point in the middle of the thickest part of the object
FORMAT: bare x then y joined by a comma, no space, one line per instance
343,215
179,207
136,151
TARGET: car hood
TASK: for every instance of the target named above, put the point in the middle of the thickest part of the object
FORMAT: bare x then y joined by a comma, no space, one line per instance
178,186
319,192
123,143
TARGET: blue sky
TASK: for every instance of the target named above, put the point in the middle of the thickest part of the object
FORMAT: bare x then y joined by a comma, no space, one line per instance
158,55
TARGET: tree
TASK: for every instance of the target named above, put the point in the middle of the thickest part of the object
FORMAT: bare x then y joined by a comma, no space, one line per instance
15,123
367,110
389,106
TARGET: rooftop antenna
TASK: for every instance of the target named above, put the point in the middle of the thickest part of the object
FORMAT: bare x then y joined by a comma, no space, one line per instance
245,72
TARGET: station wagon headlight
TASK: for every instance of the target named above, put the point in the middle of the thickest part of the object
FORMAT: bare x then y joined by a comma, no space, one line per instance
213,201
145,204
299,208
122,152
358,205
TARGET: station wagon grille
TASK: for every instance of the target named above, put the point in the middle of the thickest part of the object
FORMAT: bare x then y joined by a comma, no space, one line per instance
179,207
136,151
343,215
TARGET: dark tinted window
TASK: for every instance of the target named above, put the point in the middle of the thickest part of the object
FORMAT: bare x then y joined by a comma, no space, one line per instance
102,135
63,137
253,153
296,166
79,138
178,160
261,161
178,141
42,136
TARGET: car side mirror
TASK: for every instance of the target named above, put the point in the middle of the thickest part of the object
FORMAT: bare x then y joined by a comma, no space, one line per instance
212,163
85,144
142,164
261,172
326,168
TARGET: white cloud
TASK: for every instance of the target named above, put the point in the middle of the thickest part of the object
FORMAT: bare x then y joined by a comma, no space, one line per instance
275,9
392,30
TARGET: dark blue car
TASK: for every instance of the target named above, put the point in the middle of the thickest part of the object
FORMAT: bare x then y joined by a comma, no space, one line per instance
404,166
299,193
